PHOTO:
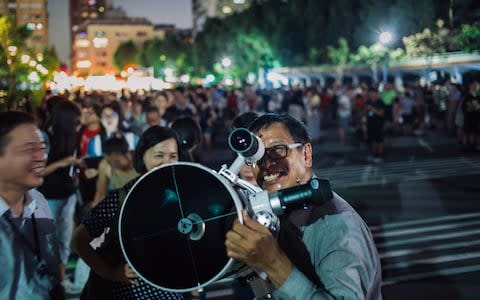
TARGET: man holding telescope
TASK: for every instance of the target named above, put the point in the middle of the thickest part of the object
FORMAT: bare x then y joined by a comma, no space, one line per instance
323,251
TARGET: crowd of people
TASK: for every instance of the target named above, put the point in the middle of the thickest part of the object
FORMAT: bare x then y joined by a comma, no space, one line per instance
99,143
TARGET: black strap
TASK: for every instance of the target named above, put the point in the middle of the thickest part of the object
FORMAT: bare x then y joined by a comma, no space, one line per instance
34,249
290,240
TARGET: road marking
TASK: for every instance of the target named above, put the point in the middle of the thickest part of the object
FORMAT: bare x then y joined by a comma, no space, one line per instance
400,232
435,237
425,221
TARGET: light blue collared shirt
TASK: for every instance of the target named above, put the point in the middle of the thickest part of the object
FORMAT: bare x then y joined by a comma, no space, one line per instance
345,258
19,278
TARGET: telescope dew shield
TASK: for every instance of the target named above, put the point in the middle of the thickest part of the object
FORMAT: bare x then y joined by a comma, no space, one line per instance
317,190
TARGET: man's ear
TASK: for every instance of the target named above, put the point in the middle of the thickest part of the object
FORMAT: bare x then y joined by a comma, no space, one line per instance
308,155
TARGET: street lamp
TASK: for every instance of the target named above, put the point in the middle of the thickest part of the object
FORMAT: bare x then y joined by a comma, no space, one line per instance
385,38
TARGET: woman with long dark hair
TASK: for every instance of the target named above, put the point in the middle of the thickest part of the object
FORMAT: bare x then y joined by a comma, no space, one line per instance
59,186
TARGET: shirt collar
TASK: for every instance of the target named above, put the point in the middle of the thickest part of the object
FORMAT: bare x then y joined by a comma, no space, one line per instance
29,205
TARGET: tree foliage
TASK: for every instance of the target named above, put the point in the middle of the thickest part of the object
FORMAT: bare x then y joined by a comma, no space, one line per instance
430,41
468,38
15,59
125,55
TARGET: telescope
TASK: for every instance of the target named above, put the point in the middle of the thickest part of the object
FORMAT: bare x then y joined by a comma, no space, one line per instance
174,220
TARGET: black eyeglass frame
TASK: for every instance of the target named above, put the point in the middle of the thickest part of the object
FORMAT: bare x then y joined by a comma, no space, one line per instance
274,157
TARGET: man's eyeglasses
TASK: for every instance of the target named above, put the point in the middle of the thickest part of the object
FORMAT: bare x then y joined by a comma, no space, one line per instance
278,151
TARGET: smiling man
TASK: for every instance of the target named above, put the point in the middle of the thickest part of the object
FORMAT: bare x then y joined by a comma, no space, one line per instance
325,251
28,254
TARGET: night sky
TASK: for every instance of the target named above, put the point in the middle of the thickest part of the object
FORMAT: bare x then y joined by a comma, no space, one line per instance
178,12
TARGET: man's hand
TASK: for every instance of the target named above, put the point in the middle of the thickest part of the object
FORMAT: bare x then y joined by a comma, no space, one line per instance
254,245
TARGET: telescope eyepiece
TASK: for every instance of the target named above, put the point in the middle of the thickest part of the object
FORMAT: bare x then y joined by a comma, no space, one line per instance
246,144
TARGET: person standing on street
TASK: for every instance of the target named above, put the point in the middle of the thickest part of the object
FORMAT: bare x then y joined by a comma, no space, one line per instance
28,249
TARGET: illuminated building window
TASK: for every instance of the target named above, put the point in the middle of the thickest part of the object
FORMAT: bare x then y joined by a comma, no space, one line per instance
39,26
83,64
227,9
31,26
100,42
82,43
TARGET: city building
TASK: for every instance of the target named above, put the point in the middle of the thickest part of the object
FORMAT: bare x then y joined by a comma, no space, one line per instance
96,41
204,9
162,30
83,10
33,14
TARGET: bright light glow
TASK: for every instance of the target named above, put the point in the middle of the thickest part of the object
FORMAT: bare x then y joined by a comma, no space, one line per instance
158,84
227,9
103,83
170,78
39,26
251,78
42,69
130,70
228,82
123,74
12,49
226,62
135,83
238,1
33,77
83,64
277,78
100,42
82,43
210,78
185,78
31,26
25,58
40,57
168,72
32,63
385,37
59,76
